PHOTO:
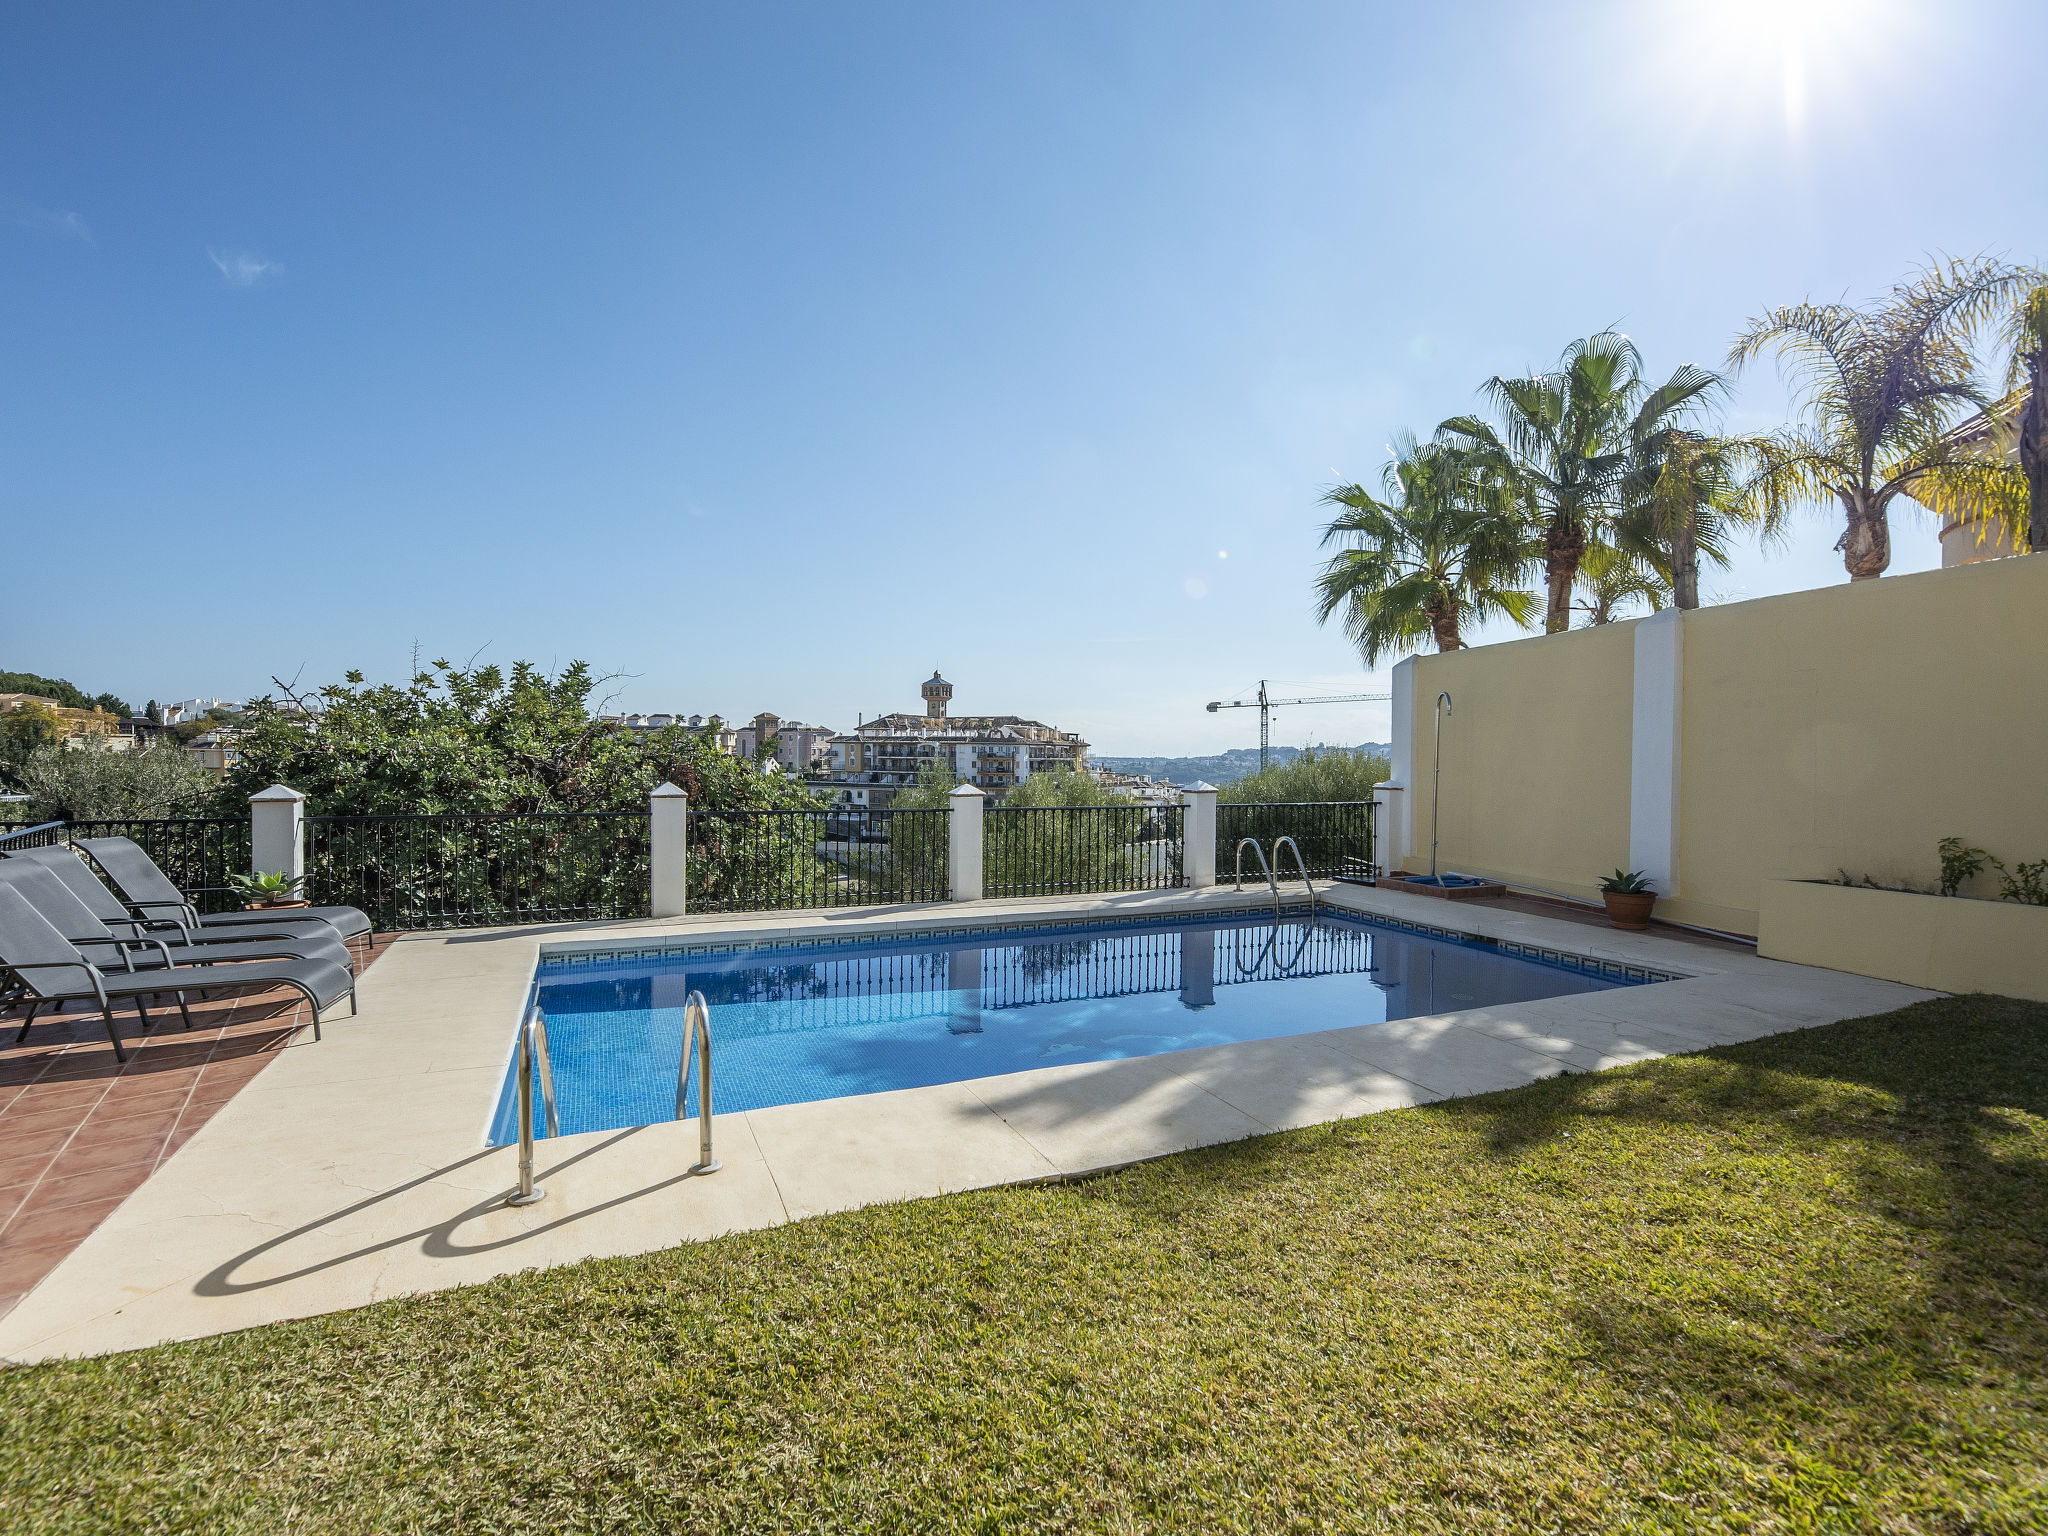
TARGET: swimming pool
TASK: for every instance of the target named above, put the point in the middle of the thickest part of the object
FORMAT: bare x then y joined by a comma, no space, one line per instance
793,1024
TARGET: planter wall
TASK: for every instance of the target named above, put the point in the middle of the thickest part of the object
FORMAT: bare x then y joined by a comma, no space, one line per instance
1946,943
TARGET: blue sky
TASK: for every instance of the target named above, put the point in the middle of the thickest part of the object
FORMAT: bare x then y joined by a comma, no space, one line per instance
773,355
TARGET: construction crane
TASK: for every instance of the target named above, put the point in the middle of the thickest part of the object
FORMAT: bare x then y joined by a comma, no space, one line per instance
1266,706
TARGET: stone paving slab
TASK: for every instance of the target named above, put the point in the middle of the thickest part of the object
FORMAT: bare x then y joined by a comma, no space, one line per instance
356,1170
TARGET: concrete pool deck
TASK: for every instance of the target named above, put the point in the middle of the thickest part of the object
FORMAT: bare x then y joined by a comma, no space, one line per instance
356,1169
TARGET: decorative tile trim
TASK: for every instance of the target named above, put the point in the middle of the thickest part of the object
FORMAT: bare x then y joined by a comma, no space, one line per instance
1591,965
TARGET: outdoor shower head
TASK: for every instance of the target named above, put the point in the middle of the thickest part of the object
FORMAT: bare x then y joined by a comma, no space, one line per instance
1444,701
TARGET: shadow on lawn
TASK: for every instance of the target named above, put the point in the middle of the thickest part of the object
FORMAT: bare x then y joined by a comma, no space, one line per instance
1934,1101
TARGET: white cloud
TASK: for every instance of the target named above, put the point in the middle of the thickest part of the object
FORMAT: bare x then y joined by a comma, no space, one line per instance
43,221
241,269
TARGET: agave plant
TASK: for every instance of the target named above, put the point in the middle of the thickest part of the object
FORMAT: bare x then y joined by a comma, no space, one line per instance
268,890
1882,386
1445,546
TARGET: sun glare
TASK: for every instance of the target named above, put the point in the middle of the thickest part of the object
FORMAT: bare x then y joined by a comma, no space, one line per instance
1782,59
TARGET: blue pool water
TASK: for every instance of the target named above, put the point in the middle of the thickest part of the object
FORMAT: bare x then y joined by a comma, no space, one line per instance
793,1025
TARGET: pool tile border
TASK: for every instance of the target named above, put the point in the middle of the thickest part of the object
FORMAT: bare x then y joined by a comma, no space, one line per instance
560,957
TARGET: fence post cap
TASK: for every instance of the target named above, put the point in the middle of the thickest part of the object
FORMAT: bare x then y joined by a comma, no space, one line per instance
965,789
1199,787
275,792
667,791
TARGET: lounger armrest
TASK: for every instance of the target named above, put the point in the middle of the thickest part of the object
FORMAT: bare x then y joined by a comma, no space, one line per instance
92,974
190,918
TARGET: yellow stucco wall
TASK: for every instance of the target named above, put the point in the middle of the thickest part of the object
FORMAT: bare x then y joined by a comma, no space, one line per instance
1535,758
1924,941
1851,727
1855,726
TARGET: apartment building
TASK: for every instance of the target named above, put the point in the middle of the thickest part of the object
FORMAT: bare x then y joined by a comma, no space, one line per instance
798,748
995,753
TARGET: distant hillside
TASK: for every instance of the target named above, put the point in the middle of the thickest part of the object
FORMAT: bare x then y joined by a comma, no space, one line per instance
1221,769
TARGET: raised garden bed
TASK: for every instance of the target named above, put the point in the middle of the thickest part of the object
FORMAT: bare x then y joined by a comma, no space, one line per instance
1945,943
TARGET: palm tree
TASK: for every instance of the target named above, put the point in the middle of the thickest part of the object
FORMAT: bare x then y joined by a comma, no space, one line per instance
1610,579
1882,386
1686,496
2026,334
1446,546
1568,440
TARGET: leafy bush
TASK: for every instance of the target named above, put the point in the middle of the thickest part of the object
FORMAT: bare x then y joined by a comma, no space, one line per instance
89,780
482,740
1327,775
2027,883
24,731
1959,862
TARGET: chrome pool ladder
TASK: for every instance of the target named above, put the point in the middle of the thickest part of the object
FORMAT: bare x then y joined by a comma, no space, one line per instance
533,1047
1301,864
1272,884
697,1031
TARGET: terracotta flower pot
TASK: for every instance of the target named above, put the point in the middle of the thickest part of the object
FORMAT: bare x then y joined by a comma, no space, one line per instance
269,906
1629,909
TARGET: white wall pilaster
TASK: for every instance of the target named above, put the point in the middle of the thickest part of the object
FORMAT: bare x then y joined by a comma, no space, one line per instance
1654,748
1397,818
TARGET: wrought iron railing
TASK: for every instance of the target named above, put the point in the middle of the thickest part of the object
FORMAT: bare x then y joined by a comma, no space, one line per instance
445,871
1327,831
198,853
473,871
762,861
1050,850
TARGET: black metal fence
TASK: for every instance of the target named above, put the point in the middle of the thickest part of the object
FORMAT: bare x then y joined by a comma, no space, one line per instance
1052,850
468,871
761,861
450,871
197,852
1328,832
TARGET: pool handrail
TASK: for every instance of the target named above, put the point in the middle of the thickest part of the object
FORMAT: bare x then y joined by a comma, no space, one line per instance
533,1047
1301,864
1270,881
697,1030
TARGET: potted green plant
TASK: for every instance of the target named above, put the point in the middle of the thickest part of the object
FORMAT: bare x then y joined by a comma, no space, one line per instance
260,891
1629,898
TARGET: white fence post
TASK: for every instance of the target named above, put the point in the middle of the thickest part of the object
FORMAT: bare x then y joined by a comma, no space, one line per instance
1198,835
277,832
668,850
963,841
1387,812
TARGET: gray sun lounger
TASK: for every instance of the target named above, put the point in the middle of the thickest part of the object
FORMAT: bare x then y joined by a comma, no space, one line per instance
72,918
49,968
103,904
148,890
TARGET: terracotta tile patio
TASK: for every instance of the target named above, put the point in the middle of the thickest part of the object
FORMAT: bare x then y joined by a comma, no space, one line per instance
79,1132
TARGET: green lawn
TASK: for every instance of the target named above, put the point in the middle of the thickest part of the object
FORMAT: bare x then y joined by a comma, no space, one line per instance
1791,1286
